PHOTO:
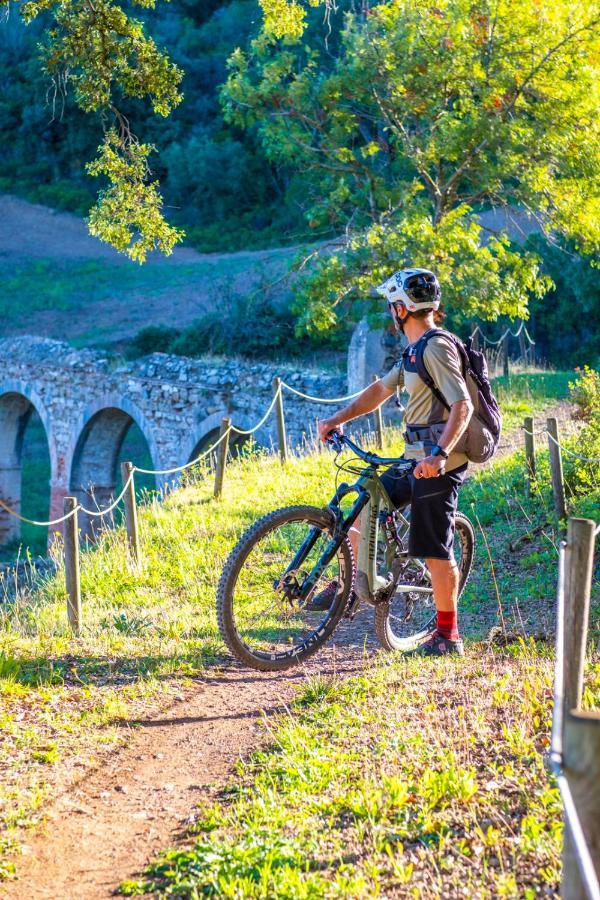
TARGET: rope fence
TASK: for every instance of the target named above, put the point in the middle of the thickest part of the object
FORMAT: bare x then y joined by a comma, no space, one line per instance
555,450
500,348
219,450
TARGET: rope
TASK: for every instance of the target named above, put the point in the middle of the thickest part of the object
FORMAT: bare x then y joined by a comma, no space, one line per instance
514,334
187,465
264,418
115,503
319,399
593,459
17,515
533,433
571,453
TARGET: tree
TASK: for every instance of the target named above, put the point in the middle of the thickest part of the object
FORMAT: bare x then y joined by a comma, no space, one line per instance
105,56
418,117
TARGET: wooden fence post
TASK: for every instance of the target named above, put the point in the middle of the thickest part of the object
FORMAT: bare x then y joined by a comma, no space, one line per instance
222,453
378,422
505,362
581,730
131,518
318,439
529,453
556,468
579,558
72,572
476,341
281,437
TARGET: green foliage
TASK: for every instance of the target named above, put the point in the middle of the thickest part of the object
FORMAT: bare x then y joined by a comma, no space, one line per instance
581,475
153,339
129,213
208,171
566,323
106,56
414,118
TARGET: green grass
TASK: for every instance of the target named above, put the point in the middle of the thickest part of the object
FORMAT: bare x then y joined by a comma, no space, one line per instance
147,631
416,779
525,393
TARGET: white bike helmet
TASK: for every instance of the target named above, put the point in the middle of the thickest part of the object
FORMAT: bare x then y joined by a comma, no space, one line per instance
414,288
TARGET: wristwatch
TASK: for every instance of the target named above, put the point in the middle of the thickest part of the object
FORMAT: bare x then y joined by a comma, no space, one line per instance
436,450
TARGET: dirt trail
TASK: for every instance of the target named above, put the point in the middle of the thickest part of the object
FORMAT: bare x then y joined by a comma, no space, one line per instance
115,819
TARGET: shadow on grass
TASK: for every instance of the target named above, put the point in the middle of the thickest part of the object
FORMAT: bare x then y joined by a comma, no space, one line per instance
73,670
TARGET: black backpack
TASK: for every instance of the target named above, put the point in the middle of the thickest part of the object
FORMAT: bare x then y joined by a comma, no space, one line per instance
480,440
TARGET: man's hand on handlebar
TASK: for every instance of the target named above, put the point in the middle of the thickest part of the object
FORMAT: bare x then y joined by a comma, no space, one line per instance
430,467
326,427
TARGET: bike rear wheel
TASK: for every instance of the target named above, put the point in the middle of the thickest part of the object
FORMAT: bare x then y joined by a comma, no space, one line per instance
262,622
408,617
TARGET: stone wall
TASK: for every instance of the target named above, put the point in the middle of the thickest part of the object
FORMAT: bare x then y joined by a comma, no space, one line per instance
87,403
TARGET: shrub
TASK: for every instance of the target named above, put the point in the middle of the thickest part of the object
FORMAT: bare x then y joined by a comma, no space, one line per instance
582,476
153,339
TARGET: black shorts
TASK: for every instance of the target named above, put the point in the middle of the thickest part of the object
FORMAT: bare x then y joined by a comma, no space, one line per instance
432,509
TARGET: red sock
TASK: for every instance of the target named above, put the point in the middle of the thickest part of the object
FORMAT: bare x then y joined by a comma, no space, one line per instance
447,623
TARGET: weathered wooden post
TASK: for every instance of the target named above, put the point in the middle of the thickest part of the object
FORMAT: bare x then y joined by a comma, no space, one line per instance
318,439
476,341
581,730
131,518
579,559
72,571
222,454
556,468
281,437
505,362
529,453
378,422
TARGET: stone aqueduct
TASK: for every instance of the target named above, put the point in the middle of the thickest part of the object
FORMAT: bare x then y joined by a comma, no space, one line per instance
87,406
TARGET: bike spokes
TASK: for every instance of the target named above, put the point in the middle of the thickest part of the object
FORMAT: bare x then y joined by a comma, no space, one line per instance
271,609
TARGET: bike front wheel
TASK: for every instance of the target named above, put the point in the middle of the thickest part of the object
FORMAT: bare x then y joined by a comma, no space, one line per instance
409,617
261,615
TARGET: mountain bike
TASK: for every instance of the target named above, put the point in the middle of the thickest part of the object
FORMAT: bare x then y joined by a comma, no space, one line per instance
266,598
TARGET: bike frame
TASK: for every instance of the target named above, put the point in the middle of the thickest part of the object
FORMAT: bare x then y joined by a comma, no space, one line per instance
371,500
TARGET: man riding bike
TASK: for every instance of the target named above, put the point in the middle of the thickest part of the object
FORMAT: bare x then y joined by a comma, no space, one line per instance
432,434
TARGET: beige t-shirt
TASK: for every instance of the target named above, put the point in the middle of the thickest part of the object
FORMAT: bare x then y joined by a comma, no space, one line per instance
443,364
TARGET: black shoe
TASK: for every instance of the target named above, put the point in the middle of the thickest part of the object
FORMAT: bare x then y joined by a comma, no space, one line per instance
438,645
323,600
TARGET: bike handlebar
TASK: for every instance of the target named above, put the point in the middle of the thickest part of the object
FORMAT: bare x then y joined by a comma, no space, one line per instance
338,441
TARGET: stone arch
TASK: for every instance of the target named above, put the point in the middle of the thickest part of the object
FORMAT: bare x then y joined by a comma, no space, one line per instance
96,448
18,402
207,433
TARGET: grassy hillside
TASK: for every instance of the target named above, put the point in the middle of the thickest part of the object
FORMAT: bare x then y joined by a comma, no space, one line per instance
146,632
417,779
58,281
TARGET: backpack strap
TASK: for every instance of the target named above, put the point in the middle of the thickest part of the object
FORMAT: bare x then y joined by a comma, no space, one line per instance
422,371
